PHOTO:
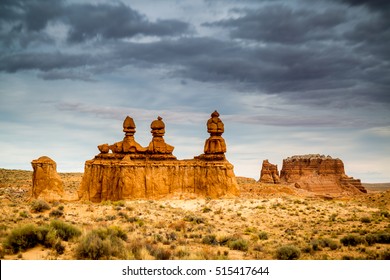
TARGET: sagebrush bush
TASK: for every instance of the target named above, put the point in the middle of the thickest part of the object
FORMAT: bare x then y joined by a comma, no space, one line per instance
210,240
238,244
39,205
194,219
352,240
65,231
25,237
29,236
56,213
103,244
263,235
158,252
288,252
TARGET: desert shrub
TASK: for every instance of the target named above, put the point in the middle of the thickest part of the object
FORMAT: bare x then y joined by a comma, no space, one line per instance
39,205
102,244
206,209
210,240
56,213
29,236
383,238
352,240
371,239
347,257
119,203
25,237
123,215
159,253
315,245
110,217
238,244
24,214
288,252
385,255
65,231
365,220
194,219
384,213
263,235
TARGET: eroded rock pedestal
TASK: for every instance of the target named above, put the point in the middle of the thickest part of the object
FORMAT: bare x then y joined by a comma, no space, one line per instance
319,174
47,184
154,172
269,173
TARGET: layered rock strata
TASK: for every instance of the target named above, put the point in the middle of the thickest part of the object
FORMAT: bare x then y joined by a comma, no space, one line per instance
130,171
269,173
320,174
150,179
46,183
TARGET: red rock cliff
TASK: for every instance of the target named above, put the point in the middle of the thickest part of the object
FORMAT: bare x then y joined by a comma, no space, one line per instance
320,174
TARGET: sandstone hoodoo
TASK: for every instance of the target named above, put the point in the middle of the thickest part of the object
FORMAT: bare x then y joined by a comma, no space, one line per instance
320,174
131,171
269,173
46,183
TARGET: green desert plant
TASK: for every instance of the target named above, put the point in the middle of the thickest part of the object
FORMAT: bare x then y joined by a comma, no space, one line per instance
103,244
39,205
29,236
25,237
288,252
65,231
352,240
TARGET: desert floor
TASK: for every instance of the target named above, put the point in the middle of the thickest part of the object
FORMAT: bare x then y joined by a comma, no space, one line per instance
265,222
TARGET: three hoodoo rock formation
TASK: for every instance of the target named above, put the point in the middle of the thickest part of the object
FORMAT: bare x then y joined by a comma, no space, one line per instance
315,173
131,171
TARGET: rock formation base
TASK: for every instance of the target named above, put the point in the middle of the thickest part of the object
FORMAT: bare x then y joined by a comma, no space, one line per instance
131,178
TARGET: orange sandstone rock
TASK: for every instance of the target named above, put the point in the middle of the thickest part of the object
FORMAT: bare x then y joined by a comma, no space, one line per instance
269,173
319,174
158,145
153,172
47,184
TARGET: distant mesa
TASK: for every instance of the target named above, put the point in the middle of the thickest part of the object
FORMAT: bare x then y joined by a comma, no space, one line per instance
319,174
126,170
47,184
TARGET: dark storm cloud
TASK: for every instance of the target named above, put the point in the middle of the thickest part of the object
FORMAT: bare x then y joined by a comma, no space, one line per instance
283,24
112,22
84,21
380,5
42,61
319,56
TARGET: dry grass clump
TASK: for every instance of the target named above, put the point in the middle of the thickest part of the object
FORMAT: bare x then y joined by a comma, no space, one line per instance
50,236
102,244
39,205
288,252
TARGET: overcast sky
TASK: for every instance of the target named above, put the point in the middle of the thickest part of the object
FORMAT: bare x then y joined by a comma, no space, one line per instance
287,77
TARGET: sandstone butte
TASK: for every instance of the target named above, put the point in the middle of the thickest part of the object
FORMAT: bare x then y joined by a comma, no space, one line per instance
46,183
127,170
319,174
